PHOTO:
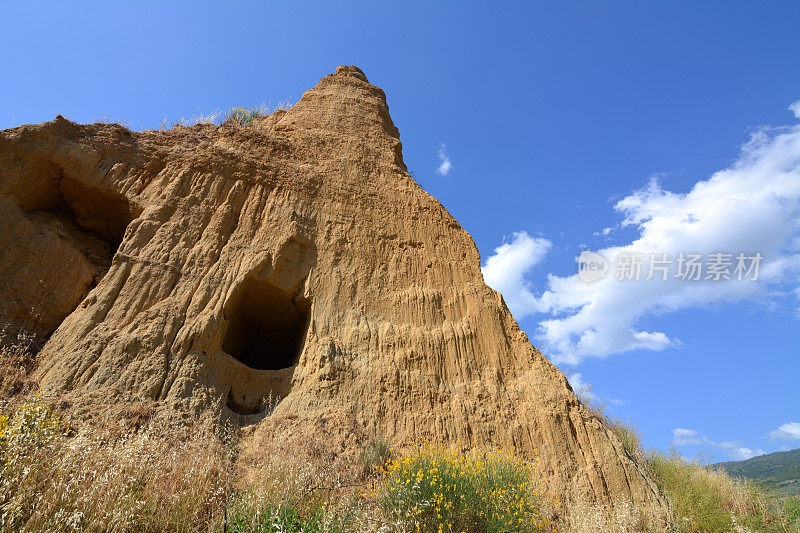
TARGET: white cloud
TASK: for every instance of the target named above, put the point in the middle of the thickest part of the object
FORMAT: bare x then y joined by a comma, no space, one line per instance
444,161
579,385
604,232
584,389
689,437
742,453
753,206
788,431
795,108
734,449
505,271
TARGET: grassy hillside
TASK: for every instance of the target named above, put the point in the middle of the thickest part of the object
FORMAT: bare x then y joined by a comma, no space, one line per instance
131,470
778,473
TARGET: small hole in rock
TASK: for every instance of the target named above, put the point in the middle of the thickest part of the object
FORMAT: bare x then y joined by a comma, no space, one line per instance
267,326
241,407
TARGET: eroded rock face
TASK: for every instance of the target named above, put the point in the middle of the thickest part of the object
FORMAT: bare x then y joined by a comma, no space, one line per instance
292,259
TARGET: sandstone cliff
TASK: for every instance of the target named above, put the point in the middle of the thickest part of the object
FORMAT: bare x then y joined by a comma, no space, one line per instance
294,258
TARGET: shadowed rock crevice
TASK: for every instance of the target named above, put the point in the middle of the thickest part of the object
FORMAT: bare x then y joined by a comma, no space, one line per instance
86,220
62,236
240,407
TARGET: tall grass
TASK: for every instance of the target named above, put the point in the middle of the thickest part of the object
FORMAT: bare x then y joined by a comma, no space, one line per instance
707,500
703,500
52,479
621,517
160,476
17,362
375,455
163,478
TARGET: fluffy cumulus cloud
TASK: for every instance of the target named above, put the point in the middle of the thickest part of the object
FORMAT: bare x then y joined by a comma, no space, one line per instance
751,207
735,450
788,431
444,161
505,271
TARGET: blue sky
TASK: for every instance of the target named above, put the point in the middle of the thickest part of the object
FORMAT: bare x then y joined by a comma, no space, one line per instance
552,115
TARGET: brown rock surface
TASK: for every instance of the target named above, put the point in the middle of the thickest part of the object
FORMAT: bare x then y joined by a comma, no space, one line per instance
294,258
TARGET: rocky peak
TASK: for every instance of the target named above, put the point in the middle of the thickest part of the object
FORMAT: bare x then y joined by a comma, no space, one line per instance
291,259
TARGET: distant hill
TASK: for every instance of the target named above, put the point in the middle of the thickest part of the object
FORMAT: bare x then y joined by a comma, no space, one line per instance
778,473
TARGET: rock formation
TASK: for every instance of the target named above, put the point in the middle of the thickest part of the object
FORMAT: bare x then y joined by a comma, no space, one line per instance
293,259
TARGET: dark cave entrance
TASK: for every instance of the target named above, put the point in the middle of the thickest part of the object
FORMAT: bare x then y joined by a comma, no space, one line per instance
267,326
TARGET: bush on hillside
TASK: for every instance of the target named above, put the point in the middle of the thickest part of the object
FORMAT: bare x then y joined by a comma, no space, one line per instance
430,488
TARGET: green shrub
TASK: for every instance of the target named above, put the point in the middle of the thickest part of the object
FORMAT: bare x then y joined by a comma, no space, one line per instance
375,455
791,511
243,116
437,489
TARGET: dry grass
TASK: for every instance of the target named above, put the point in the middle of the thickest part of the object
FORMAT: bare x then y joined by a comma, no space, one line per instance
176,478
130,471
622,517
237,116
707,500
56,479
166,477
17,362
703,500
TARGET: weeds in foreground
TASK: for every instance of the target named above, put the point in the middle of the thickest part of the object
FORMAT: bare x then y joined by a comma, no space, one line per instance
375,455
703,500
51,480
255,512
287,488
706,500
622,517
17,362
153,479
791,509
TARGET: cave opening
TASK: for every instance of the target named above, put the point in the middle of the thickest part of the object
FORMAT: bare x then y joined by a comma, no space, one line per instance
61,235
88,218
266,326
